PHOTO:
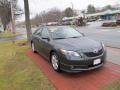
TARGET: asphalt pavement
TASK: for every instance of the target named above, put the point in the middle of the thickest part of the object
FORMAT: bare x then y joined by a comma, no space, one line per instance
109,36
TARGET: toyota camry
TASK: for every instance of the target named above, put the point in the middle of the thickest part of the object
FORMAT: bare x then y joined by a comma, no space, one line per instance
67,49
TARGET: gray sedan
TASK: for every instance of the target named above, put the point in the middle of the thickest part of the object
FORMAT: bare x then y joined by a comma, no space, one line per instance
67,49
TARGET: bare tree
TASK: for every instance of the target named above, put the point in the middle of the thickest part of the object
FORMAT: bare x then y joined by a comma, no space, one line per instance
5,11
108,7
36,20
91,9
53,15
68,12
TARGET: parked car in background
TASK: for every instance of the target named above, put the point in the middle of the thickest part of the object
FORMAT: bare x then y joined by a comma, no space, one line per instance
68,22
91,20
67,49
52,23
118,22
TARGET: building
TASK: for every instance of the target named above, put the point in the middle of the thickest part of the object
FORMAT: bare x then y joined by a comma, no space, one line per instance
106,15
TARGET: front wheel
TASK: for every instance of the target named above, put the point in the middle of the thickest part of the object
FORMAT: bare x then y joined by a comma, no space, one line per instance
55,62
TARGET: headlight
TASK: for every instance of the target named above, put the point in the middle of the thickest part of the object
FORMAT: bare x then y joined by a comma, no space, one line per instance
70,53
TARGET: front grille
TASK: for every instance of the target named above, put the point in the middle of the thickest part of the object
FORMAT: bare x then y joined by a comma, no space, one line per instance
84,66
92,54
80,67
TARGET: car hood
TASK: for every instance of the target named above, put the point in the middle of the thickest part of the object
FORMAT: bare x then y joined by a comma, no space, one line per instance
82,43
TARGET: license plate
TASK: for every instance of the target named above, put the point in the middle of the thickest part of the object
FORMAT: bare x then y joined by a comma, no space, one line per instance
97,61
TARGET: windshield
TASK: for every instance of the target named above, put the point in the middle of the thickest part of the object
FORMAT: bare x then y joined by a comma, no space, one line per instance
64,32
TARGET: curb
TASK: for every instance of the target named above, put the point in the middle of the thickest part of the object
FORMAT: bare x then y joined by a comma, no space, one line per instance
112,47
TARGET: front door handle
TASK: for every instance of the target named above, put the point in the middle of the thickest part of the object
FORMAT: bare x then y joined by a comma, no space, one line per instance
39,40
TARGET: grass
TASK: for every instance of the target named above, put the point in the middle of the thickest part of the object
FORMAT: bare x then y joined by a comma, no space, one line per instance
113,86
18,72
8,34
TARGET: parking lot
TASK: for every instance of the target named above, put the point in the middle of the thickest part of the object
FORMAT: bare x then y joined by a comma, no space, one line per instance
110,36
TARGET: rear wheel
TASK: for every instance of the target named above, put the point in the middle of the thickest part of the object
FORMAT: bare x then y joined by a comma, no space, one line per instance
55,62
33,47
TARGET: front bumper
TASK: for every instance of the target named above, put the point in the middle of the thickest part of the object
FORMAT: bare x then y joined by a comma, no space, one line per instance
74,68
82,65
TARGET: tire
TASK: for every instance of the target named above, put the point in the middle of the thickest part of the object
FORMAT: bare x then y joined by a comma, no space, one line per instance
33,47
55,62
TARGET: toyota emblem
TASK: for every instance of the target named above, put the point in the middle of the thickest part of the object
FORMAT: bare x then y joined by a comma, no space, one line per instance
95,51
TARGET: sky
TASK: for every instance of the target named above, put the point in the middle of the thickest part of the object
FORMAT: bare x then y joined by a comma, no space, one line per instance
36,6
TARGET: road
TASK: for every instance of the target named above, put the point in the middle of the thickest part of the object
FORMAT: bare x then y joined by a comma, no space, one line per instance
23,33
109,36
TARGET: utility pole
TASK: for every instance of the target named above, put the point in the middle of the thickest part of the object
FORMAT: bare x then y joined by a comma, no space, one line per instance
13,20
27,20
72,7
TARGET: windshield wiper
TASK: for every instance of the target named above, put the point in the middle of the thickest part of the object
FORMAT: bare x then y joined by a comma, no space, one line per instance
59,38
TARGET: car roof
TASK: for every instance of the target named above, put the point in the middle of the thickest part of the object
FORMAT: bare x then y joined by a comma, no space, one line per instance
58,27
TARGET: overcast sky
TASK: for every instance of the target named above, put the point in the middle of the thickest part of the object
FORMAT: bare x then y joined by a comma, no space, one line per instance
36,6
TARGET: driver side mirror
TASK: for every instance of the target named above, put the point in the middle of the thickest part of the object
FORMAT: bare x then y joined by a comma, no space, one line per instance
46,38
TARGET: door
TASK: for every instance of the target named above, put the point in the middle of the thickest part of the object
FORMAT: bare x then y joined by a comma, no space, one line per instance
37,38
45,42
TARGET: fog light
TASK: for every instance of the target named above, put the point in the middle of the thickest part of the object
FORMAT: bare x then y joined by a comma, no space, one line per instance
72,67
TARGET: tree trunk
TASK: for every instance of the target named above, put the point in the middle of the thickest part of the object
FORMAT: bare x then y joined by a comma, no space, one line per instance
27,20
4,27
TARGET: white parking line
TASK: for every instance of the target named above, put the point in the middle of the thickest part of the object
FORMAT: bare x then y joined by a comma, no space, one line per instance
105,30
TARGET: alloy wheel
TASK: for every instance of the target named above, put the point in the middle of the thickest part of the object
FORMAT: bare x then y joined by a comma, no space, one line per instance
55,62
